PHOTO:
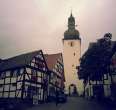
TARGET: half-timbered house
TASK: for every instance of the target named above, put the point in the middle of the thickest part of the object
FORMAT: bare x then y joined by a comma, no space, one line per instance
106,87
56,68
24,78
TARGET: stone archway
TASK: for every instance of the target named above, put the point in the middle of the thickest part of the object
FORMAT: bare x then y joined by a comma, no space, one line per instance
73,90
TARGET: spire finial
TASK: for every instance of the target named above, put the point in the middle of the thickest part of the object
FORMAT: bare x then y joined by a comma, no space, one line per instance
71,11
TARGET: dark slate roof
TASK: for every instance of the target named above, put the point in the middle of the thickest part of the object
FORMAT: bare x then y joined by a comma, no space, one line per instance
71,34
18,61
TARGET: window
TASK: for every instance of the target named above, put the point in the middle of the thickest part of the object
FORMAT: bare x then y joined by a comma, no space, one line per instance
21,71
39,73
74,54
2,76
105,76
8,73
18,72
1,85
71,44
73,65
33,60
34,75
34,72
14,73
14,84
28,70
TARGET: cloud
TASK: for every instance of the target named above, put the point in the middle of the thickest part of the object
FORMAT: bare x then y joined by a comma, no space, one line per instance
27,25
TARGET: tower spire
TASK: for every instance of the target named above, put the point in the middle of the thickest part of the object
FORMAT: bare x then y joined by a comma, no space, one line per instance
71,12
71,21
71,32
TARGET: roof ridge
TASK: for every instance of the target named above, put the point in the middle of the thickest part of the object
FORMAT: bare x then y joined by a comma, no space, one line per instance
21,55
53,53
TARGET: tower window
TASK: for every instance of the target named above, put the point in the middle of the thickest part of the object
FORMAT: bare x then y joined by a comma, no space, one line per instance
72,65
71,44
74,54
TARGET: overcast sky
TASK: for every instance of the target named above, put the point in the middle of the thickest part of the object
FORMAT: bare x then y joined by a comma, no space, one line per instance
28,25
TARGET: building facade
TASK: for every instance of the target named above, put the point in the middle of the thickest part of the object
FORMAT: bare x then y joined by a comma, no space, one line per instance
57,79
24,78
106,86
71,56
31,78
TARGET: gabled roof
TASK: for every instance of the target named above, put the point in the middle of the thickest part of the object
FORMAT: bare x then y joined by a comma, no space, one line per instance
18,61
51,59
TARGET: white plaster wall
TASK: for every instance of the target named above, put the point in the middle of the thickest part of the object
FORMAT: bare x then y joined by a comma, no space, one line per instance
28,70
7,73
38,79
20,78
91,90
70,63
12,87
26,77
13,80
18,93
99,82
33,84
41,94
6,87
38,73
38,85
114,78
19,85
92,82
7,80
1,89
12,94
1,81
5,94
0,94
107,81
107,90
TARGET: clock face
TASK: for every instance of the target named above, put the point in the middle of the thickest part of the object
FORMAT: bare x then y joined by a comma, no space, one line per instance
71,43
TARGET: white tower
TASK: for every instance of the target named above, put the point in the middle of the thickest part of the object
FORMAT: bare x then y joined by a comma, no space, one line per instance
71,56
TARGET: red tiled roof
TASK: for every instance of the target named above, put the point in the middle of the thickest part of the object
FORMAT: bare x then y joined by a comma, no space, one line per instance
51,59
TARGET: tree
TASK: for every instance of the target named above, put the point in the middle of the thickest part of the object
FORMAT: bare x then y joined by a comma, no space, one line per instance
96,60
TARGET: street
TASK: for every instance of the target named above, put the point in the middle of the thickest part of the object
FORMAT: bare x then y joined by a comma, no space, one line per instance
73,103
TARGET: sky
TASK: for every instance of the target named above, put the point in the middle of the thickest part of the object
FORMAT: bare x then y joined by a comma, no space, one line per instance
29,25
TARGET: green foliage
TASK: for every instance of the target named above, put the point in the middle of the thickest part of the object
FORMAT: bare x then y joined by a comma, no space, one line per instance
95,62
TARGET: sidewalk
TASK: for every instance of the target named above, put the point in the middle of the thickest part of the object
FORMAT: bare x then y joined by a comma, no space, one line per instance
45,106
107,103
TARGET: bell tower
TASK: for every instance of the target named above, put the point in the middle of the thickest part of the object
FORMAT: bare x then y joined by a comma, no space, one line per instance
71,56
